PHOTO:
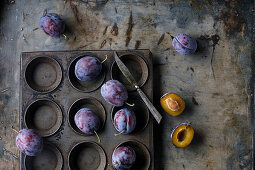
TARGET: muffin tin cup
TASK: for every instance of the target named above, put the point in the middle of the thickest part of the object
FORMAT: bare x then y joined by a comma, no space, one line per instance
90,103
143,158
43,74
44,116
136,65
141,112
87,155
49,159
85,86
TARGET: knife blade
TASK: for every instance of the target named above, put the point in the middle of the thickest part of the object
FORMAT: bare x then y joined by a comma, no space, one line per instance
125,71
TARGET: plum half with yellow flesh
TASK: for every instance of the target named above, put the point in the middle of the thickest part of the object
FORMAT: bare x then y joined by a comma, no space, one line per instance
172,103
182,135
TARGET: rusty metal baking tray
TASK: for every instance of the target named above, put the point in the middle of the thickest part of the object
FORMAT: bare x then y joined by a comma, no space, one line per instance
51,95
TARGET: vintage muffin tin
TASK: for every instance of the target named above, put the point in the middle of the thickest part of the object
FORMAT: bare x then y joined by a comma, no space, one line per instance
51,95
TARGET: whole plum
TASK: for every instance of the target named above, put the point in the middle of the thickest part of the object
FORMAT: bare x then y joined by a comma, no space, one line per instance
29,142
52,24
87,121
184,44
125,121
114,92
88,68
123,158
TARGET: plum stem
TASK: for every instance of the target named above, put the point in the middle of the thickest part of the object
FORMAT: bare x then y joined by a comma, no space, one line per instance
106,57
188,124
172,35
14,129
98,138
115,164
132,105
117,134
45,12
65,36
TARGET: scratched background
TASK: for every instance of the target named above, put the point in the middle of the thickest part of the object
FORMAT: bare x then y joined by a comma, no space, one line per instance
215,82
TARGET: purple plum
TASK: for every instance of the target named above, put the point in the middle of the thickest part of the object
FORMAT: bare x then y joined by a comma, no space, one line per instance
184,44
125,120
52,24
29,142
88,68
87,121
114,92
123,158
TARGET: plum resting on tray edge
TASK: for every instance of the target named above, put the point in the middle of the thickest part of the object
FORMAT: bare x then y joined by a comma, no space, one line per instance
114,93
29,142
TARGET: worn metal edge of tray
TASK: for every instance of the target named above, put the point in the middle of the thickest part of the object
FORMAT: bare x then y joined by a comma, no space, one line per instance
251,97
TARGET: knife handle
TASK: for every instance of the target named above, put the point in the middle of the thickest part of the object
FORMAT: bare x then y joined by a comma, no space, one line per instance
150,106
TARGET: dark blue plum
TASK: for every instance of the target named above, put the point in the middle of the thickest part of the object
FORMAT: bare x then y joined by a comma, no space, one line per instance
88,68
52,24
184,44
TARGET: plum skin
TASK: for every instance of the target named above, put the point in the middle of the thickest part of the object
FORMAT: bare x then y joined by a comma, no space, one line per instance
123,157
125,119
52,24
184,44
114,93
88,68
29,142
87,121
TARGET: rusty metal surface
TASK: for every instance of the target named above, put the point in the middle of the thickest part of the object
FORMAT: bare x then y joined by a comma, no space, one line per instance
219,102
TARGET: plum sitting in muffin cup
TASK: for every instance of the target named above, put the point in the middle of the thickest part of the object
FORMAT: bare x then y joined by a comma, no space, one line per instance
123,158
184,44
124,121
88,68
88,122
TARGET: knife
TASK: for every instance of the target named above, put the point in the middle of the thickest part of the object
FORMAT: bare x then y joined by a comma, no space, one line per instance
132,80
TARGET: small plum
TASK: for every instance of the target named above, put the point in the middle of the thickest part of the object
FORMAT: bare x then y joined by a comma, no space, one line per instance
87,121
125,121
114,92
123,158
29,142
88,68
52,24
184,44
